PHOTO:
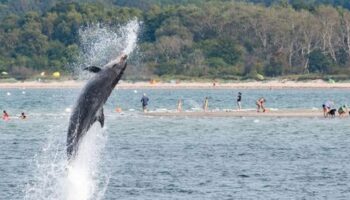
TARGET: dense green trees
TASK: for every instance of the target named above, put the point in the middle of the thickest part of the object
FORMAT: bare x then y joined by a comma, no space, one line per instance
242,39
213,38
50,40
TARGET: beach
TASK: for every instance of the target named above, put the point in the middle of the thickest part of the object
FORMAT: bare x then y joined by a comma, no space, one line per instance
273,84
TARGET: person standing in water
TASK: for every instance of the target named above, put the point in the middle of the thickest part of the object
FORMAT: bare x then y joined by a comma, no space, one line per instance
206,104
327,106
5,116
260,103
179,105
239,99
144,101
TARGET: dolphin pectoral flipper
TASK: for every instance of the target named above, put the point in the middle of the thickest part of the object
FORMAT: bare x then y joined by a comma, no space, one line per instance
100,117
93,69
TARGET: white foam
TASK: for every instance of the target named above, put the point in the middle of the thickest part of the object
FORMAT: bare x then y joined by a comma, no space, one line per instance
82,180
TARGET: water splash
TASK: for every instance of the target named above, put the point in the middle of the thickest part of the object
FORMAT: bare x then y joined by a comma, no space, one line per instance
79,180
100,44
82,178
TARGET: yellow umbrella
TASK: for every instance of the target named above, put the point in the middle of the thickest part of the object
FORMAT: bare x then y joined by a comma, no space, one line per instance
56,74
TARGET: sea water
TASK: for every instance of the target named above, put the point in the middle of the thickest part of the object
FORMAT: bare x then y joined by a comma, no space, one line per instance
141,157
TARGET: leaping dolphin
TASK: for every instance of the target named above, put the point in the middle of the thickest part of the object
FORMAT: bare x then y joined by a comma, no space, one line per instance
89,106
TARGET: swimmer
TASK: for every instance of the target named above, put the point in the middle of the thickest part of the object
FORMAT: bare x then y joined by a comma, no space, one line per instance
260,103
5,116
23,116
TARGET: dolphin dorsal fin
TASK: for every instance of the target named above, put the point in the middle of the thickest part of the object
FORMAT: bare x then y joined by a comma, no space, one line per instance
93,69
100,117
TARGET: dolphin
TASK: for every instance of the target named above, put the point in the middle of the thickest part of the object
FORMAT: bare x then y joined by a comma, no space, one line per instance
89,106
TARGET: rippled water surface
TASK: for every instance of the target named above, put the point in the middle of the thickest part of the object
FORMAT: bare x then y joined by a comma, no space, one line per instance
142,157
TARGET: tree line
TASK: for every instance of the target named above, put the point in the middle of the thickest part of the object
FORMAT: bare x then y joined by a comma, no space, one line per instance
216,39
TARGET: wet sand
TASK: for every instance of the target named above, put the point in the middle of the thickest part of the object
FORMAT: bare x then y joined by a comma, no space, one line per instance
250,113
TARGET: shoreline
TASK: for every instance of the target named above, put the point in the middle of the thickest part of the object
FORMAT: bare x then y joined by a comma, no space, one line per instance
316,84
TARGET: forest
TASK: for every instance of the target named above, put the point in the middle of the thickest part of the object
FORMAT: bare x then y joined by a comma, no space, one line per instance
222,39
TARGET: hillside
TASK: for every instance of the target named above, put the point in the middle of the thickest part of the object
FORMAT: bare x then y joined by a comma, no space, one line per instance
214,39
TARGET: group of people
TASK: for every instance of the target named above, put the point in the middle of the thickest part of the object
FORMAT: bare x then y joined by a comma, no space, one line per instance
330,111
259,102
328,106
6,116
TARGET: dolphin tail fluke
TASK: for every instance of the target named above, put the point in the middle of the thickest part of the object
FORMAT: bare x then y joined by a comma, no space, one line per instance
100,117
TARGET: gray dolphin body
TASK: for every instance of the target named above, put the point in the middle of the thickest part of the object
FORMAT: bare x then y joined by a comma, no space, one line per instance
89,106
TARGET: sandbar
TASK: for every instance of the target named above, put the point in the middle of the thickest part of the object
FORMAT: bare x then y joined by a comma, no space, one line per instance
297,113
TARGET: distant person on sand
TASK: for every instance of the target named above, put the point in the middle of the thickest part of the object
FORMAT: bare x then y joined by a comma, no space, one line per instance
260,103
239,99
23,116
5,116
206,104
179,105
144,101
342,110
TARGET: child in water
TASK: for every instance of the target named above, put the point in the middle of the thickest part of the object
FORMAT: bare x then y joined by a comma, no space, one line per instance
260,103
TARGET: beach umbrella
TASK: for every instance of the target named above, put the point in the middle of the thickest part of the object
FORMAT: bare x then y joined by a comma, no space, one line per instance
56,74
42,74
4,73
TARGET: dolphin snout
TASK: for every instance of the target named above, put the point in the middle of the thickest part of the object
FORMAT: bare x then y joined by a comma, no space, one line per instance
124,57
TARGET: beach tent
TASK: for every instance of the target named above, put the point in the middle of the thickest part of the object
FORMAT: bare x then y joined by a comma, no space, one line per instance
4,73
259,77
331,81
56,74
